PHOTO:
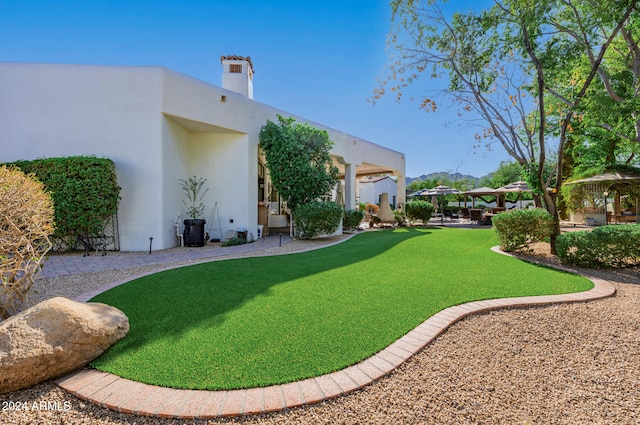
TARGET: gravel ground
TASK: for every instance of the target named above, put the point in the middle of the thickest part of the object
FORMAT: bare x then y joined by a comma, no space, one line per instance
561,364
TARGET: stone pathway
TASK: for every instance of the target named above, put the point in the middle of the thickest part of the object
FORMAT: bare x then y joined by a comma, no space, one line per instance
67,264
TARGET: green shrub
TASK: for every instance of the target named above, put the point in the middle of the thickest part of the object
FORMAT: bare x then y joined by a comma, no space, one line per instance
84,190
317,218
517,229
352,219
401,217
603,247
234,241
419,210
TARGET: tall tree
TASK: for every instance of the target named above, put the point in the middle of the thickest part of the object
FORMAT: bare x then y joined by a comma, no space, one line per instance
507,172
606,125
500,65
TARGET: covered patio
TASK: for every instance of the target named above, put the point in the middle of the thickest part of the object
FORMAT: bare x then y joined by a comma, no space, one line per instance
608,198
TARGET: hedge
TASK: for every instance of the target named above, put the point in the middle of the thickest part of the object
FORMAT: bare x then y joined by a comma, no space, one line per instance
419,210
603,247
352,219
517,229
316,219
85,193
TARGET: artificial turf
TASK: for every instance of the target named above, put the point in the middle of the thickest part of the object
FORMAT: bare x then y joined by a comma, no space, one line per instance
267,320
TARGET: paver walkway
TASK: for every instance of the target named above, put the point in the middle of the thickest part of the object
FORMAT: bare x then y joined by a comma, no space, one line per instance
66,264
128,396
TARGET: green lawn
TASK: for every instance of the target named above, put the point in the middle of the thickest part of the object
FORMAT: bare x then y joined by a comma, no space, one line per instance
268,320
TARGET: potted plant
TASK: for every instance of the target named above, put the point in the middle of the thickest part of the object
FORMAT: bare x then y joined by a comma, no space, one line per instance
193,234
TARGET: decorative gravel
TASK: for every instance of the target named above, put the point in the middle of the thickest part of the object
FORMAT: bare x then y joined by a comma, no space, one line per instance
561,364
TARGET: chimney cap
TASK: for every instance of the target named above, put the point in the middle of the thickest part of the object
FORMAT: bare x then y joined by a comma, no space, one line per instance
238,58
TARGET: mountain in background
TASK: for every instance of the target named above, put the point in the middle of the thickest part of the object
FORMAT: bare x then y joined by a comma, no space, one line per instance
443,176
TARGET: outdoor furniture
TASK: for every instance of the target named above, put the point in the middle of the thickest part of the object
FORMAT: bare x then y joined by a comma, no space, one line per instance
475,215
464,212
625,218
487,218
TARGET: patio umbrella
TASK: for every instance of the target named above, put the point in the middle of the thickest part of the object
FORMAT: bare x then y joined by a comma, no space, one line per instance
520,186
479,193
515,187
340,194
441,190
434,202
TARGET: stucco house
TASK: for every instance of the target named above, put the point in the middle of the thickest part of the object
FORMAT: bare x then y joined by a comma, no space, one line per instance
159,126
372,187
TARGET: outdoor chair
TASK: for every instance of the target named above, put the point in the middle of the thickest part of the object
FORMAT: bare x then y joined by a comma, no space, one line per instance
475,215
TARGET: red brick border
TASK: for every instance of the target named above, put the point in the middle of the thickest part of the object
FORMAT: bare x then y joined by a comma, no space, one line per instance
127,396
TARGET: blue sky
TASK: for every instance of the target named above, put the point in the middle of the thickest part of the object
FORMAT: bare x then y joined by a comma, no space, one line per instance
320,60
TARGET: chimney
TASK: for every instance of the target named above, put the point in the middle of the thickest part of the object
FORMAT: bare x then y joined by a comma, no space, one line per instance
237,74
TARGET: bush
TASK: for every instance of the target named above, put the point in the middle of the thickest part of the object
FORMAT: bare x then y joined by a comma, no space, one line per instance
234,241
85,193
317,218
352,219
603,247
419,210
517,229
371,209
26,222
400,217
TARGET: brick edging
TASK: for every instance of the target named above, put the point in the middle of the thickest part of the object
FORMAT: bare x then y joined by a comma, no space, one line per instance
128,396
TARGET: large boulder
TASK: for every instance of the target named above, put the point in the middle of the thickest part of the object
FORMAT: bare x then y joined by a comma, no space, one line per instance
55,337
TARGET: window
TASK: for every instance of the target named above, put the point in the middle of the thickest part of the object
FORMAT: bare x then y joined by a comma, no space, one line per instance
236,68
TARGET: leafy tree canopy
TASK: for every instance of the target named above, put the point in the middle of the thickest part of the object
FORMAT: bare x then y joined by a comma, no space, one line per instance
298,160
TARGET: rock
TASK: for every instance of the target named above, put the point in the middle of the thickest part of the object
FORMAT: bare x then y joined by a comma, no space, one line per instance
53,338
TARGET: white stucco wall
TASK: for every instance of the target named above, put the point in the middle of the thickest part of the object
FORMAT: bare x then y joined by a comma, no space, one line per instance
158,126
112,112
370,191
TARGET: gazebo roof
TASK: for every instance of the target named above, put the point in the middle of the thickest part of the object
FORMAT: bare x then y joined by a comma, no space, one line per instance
481,191
519,186
612,177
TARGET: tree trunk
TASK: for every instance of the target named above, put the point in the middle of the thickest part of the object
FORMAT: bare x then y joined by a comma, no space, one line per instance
550,203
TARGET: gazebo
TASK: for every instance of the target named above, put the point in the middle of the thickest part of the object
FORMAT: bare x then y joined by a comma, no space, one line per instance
623,186
479,193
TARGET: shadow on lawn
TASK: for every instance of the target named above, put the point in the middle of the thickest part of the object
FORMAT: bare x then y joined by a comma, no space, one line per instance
170,303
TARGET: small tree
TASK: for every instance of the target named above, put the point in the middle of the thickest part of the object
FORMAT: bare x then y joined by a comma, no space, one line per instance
26,222
298,159
192,188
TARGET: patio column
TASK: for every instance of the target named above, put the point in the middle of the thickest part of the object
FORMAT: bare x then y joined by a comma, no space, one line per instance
350,186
